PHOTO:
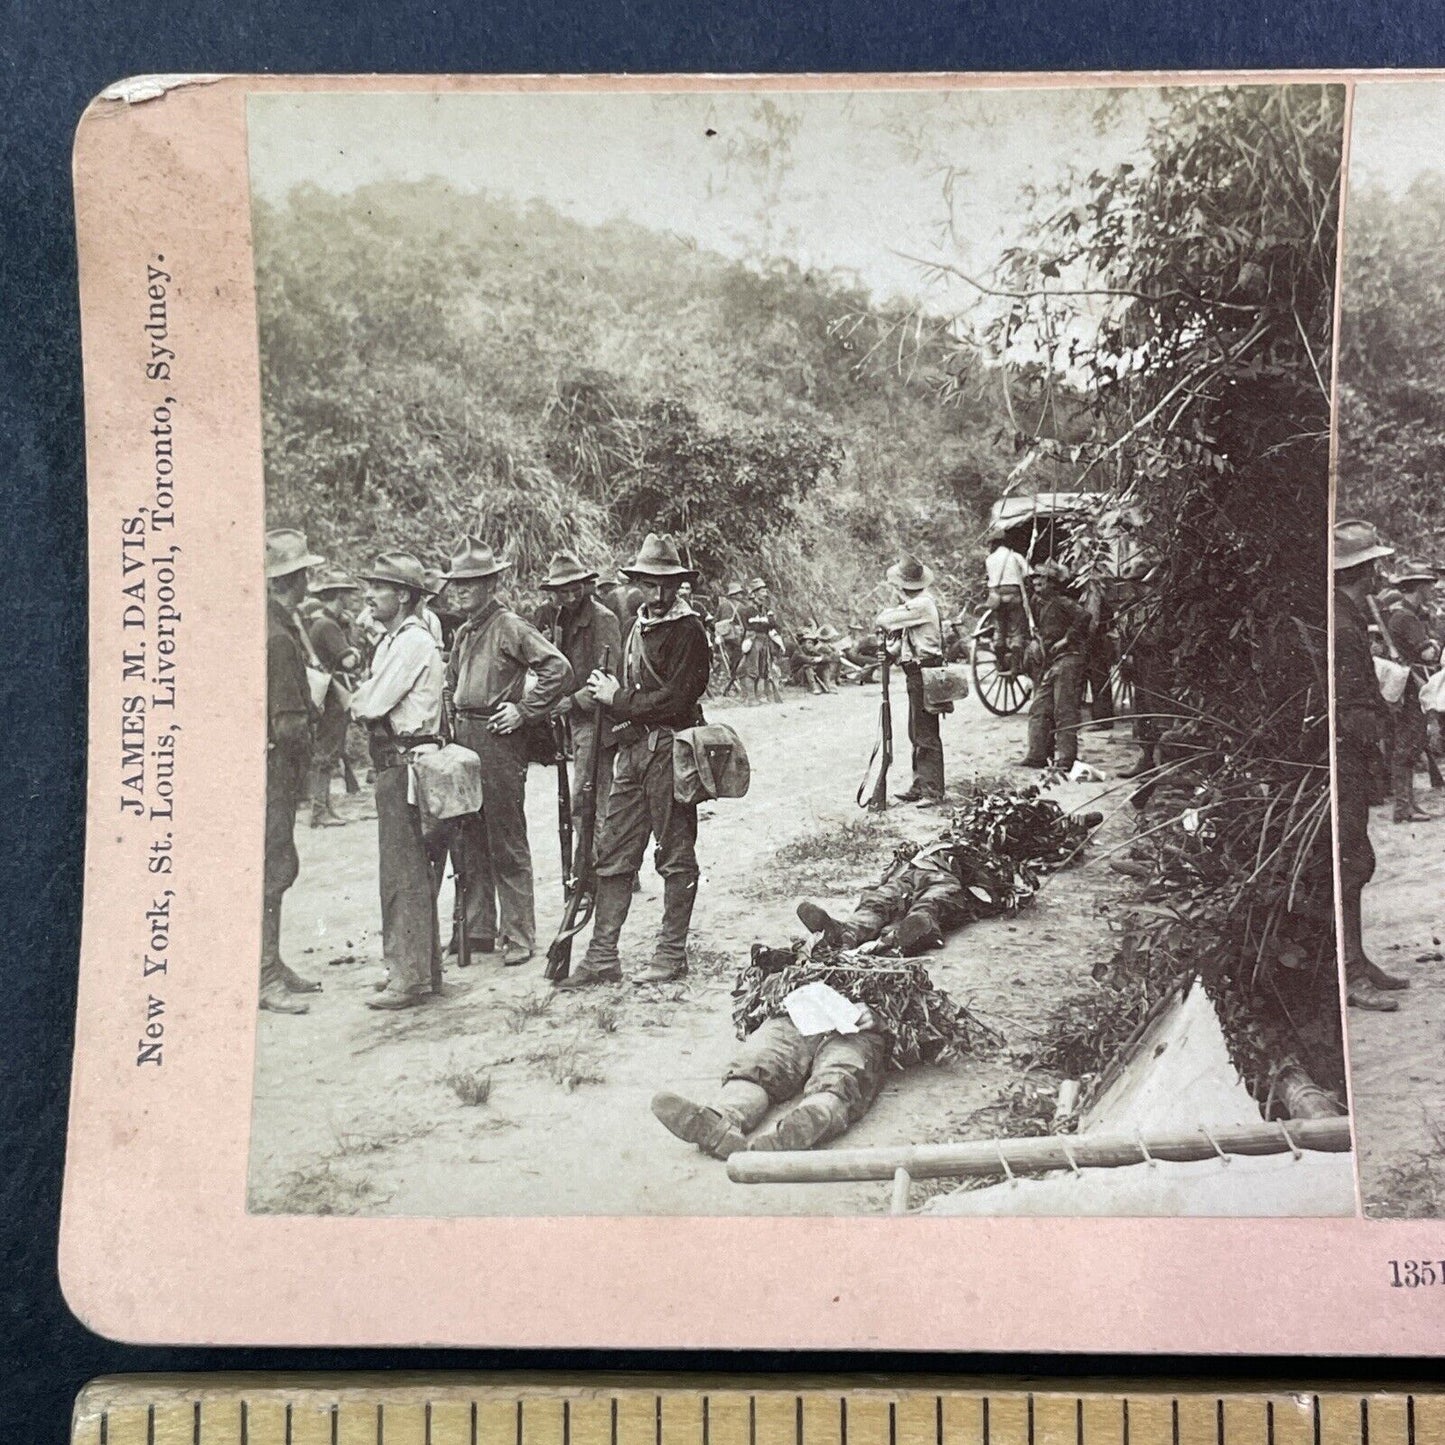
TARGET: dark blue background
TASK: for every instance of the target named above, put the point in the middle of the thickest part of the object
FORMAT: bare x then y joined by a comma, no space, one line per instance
50,66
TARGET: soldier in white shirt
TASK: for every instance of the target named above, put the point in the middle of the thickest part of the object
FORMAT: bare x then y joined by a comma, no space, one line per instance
916,640
1007,572
401,705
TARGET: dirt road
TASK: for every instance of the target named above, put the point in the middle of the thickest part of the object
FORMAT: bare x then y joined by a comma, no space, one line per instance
359,1112
1397,1066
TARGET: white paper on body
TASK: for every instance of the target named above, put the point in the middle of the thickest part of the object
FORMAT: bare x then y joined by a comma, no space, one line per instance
817,1009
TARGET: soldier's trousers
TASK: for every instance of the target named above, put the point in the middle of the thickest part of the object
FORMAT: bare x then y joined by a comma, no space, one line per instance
1353,762
1410,741
641,806
1098,674
285,788
1054,712
785,1063
495,852
923,734
904,890
409,942
1010,624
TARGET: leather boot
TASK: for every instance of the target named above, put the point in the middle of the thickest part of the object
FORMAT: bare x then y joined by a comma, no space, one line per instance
1138,769
323,815
835,934
669,954
601,964
275,997
813,1120
721,1128
1361,993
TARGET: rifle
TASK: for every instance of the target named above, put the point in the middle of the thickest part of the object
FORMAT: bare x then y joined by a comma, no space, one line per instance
579,881
875,798
560,742
564,799
457,854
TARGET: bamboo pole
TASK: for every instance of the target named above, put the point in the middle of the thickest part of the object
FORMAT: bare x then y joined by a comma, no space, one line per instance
981,1158
902,1183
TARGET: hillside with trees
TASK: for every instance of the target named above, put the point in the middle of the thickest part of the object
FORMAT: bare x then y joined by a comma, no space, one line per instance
435,362
1392,390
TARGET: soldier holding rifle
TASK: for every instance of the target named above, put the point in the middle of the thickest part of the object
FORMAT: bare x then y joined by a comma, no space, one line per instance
401,705
1058,647
582,629
664,674
917,642
1409,631
493,655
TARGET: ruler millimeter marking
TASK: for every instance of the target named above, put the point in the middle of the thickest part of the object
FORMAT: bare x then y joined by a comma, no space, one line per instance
456,1410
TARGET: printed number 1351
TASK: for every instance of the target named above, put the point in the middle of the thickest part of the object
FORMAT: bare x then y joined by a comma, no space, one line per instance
1416,1273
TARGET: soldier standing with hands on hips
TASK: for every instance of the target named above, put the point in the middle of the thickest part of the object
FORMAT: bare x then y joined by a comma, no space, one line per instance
493,654
664,674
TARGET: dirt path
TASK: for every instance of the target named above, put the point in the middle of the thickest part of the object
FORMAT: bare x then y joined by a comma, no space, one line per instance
354,1111
1397,1064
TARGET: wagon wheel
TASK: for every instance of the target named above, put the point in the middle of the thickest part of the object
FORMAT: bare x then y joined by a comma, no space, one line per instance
1002,693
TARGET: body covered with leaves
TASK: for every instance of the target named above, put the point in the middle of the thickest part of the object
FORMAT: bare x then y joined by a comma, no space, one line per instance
890,1012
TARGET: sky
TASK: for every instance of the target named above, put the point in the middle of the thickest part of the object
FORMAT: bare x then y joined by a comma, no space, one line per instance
1398,132
856,183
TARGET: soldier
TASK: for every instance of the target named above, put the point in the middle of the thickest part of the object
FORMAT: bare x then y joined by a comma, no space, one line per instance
493,653
289,722
664,674
1100,652
1409,630
334,594
762,645
807,662
830,668
824,1082
582,629
917,643
728,629
1007,571
1061,626
927,892
401,705
1359,720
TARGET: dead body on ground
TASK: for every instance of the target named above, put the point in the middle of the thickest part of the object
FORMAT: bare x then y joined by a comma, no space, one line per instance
821,1022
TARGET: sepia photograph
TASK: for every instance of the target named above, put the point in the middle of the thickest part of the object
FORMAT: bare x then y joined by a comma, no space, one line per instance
797,652
1389,630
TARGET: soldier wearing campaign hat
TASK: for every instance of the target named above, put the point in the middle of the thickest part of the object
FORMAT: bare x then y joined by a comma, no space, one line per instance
915,637
1361,716
1408,623
582,629
663,675
1061,630
290,718
502,674
334,595
401,705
